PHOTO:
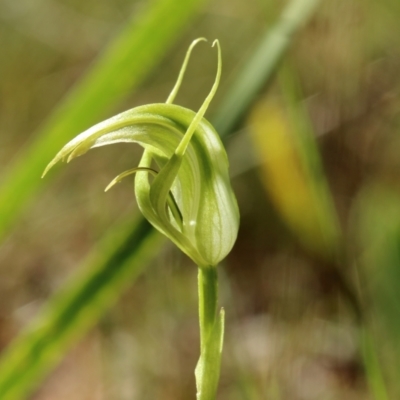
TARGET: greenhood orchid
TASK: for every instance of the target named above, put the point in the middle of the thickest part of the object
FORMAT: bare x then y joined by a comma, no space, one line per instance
182,183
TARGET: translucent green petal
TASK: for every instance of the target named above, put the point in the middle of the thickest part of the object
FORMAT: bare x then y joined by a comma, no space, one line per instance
192,164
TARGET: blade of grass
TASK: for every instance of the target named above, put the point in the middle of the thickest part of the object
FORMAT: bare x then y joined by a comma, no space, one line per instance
373,367
114,74
328,236
292,170
264,60
378,232
295,179
46,347
71,312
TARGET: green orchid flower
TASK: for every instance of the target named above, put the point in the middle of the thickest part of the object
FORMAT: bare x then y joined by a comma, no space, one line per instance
187,195
182,187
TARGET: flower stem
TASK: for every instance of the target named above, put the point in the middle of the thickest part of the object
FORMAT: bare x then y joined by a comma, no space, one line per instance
208,295
211,335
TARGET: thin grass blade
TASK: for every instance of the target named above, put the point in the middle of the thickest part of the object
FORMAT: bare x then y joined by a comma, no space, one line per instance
291,169
113,76
263,62
104,276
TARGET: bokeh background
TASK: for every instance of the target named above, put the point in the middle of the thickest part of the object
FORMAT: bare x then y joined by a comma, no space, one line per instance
312,288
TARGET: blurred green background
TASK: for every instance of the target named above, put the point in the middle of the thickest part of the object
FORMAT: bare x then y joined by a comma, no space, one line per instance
311,290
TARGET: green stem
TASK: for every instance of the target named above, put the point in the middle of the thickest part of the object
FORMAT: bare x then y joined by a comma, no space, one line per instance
208,295
211,335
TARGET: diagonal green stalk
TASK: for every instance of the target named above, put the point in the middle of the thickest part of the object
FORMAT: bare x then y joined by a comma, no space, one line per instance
373,368
262,63
116,72
75,308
